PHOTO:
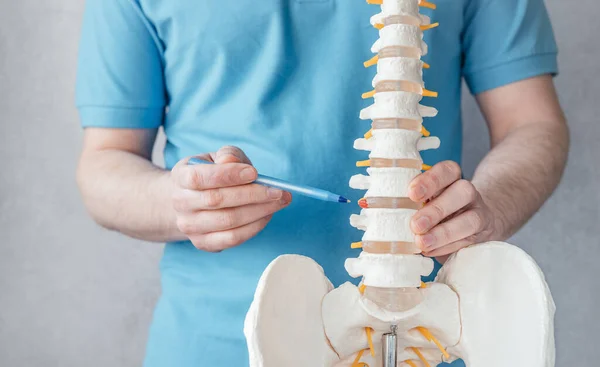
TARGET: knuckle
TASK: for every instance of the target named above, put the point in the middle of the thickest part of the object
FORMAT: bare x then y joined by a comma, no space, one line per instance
475,220
444,234
179,203
212,198
224,176
437,211
234,151
467,190
231,148
194,178
435,179
185,225
452,168
255,195
227,218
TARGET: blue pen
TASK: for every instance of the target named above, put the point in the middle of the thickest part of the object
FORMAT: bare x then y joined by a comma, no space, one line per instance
311,192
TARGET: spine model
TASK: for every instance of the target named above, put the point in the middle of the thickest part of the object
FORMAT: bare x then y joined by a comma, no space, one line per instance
489,305
390,263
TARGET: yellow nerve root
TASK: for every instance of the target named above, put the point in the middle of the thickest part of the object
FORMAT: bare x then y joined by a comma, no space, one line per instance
429,26
427,4
421,357
369,134
372,61
428,93
426,65
427,334
375,2
424,285
366,163
358,357
425,167
424,131
378,25
356,245
369,94
370,340
362,288
357,362
410,363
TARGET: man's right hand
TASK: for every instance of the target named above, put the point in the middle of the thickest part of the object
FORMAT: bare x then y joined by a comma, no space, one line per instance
217,206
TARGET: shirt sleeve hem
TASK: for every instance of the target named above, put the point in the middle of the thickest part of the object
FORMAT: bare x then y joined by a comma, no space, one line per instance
121,117
512,71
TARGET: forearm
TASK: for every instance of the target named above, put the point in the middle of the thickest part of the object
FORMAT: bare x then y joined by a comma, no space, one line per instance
127,193
520,173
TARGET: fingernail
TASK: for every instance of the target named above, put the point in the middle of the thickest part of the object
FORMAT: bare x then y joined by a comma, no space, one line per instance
419,191
247,174
423,223
274,193
428,240
286,197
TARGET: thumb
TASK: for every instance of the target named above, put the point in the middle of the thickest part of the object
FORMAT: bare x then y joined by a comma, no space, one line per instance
230,154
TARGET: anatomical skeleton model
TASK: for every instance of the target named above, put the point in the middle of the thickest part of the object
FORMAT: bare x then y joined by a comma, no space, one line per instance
489,304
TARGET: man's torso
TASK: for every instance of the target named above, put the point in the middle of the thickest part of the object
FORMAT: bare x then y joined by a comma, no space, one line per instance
282,80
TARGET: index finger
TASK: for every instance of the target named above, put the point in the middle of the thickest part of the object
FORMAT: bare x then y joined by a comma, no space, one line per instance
426,185
213,176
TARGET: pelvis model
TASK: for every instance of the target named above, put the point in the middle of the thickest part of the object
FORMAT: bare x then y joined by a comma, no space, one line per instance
489,304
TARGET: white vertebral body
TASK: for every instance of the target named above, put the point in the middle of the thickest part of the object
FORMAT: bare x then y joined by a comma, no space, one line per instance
396,144
384,224
389,271
400,35
400,105
385,182
399,69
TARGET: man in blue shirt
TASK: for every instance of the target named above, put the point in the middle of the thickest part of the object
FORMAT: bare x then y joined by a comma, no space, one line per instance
281,80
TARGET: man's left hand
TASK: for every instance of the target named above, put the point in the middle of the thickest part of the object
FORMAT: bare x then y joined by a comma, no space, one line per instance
454,216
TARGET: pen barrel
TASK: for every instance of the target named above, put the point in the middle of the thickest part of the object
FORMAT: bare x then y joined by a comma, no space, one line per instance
298,189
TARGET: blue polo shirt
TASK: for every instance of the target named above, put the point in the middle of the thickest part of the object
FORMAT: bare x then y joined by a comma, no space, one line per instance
281,79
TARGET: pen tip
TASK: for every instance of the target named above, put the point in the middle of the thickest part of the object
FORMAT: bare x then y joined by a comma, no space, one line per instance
343,200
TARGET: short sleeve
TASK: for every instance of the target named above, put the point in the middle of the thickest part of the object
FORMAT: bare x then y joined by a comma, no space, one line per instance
120,69
505,41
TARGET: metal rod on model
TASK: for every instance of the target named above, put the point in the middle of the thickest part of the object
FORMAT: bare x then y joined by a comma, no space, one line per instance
390,345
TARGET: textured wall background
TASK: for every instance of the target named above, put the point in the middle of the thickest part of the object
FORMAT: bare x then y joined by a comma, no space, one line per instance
72,294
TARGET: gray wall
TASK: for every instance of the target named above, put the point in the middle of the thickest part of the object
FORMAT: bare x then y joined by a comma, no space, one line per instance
72,294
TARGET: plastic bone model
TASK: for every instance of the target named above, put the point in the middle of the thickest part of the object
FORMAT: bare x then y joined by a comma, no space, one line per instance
489,304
